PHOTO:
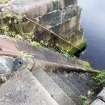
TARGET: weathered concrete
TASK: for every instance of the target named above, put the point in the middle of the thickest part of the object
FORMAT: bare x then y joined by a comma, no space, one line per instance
54,90
24,89
36,8
48,58
70,90
67,27
63,89
72,82
60,19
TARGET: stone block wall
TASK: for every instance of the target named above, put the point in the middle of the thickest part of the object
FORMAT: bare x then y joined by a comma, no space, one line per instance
60,17
34,8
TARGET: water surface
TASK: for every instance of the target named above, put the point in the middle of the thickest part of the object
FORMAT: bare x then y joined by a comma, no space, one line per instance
93,22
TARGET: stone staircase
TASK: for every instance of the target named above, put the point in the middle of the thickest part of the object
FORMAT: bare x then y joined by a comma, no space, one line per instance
42,88
56,22
71,84
54,90
38,86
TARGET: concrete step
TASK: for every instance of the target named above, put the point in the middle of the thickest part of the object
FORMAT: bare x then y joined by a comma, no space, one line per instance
64,77
54,90
83,79
79,82
71,91
24,89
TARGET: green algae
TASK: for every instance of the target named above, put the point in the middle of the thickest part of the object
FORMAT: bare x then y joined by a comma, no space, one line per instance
3,1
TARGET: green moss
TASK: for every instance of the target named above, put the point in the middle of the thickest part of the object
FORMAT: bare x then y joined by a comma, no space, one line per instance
3,1
98,82
84,100
8,23
75,51
87,65
35,44
100,79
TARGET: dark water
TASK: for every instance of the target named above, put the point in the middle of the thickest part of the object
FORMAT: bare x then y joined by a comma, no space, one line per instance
93,22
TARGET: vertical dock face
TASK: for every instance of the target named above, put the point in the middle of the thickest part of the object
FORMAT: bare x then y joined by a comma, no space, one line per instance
56,22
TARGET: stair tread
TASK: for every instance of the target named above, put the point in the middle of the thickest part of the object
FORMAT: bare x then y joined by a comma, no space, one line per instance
71,92
79,82
70,83
62,84
55,91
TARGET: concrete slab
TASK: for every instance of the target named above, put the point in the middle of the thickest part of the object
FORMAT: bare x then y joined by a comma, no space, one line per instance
54,90
8,47
24,89
71,92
